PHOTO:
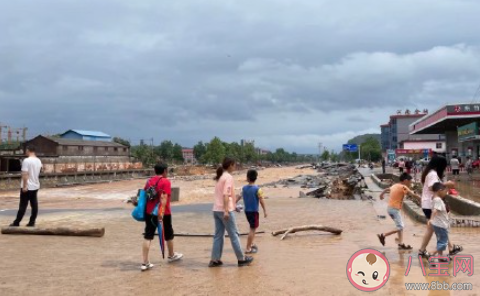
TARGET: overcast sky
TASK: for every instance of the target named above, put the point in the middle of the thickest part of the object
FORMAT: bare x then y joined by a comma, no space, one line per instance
285,73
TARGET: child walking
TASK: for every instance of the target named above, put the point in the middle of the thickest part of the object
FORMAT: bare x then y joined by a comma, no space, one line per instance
397,194
439,219
252,197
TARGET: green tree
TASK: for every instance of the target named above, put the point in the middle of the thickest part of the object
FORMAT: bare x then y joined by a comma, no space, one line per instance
335,157
325,155
281,155
215,152
144,154
250,153
199,151
295,157
236,151
177,153
165,151
271,157
371,149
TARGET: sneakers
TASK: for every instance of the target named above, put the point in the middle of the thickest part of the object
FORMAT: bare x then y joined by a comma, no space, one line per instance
14,224
215,263
175,257
245,262
147,266
31,224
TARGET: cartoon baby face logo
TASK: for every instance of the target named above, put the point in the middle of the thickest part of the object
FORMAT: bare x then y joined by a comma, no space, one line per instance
368,270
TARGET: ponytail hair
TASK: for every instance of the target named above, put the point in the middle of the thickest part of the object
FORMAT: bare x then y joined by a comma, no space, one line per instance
227,162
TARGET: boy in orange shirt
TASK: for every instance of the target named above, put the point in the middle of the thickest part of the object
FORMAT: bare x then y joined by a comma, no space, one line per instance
397,194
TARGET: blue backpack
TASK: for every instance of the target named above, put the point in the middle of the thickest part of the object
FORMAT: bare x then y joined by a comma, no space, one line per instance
139,212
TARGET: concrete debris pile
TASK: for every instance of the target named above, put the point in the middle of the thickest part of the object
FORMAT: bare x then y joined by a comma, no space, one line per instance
339,181
347,184
194,178
303,181
344,182
308,166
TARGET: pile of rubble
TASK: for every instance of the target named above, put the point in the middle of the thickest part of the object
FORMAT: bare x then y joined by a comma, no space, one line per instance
345,182
339,181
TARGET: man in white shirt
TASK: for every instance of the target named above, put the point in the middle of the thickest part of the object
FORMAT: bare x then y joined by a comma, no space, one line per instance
30,185
455,166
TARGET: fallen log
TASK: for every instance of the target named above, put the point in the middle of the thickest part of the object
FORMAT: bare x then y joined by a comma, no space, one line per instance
207,234
286,232
65,231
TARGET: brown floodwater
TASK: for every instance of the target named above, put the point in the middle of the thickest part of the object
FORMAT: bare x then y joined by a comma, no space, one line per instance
303,264
469,189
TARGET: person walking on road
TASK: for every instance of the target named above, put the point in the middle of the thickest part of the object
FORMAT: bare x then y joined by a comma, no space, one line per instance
434,173
31,168
224,216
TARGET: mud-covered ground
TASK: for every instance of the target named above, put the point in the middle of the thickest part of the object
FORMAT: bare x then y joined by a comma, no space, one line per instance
303,264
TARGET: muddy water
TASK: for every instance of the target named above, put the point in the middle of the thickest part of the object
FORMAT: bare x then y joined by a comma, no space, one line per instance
302,264
469,189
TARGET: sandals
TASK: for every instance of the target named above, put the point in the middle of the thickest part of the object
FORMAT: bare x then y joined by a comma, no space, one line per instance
381,237
253,250
424,254
404,247
455,250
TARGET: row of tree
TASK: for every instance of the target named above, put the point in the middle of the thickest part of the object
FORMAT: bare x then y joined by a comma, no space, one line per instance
167,151
211,153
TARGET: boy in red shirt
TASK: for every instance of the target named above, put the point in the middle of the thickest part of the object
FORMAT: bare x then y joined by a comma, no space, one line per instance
164,189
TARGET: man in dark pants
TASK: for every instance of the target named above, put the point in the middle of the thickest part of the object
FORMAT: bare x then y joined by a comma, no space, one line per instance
383,166
164,189
31,167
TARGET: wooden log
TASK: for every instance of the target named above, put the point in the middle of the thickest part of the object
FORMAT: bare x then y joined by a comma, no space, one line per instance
286,232
65,231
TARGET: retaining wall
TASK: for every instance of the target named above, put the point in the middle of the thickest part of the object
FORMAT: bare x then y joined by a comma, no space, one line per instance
458,204
12,182
377,179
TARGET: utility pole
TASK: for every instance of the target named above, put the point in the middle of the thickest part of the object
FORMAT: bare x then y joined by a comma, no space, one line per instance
359,154
151,148
319,151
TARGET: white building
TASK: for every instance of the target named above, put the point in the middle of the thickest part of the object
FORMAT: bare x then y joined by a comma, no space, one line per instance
438,146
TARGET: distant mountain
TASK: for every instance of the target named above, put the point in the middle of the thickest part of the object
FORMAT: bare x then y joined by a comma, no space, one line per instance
360,139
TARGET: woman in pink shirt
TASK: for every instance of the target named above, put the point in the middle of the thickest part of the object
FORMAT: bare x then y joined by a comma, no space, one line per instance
224,216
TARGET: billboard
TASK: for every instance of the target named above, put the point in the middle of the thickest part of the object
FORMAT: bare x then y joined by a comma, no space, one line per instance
350,147
469,131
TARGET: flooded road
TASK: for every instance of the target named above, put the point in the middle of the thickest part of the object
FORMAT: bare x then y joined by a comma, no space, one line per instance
310,263
303,264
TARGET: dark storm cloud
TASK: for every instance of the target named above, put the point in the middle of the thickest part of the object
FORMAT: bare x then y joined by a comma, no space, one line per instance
285,73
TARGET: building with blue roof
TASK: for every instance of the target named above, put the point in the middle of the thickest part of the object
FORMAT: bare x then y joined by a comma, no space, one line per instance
86,135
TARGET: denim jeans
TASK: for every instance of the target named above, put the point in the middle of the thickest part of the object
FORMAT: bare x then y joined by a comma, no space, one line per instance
396,217
442,238
220,226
